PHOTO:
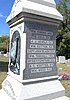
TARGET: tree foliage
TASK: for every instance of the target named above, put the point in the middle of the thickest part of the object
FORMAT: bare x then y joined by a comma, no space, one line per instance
4,43
63,38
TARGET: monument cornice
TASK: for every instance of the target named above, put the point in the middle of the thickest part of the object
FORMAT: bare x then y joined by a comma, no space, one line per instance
23,16
43,8
45,2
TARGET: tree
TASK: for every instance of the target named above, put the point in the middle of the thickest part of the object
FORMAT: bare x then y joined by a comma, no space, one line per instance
63,38
4,43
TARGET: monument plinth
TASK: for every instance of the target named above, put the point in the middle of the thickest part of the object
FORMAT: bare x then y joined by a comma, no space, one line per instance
32,71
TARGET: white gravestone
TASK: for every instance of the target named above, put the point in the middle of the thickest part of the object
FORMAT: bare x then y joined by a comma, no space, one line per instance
68,60
32,71
62,59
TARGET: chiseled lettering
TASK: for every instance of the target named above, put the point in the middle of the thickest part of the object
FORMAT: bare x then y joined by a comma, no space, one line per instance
40,55
40,70
39,51
41,46
41,32
41,65
40,60
41,41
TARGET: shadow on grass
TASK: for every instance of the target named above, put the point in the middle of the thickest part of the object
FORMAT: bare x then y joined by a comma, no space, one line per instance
3,66
3,71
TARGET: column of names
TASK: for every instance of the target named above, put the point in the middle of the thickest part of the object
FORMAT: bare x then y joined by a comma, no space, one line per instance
40,55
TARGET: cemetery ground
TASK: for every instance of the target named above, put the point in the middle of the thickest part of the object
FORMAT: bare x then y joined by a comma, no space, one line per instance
62,68
65,68
3,68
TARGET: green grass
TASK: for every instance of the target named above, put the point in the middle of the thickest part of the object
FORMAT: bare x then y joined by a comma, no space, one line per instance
3,58
2,77
65,69
3,68
3,63
65,83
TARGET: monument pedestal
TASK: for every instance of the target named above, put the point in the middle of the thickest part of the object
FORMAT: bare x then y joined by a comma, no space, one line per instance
62,98
32,62
13,89
4,96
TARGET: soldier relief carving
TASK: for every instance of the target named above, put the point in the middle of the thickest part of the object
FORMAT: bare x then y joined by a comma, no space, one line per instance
15,53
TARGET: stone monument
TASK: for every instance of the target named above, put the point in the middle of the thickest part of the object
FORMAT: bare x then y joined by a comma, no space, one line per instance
32,71
62,59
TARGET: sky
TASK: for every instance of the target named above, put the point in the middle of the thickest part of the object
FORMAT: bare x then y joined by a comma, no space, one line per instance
5,9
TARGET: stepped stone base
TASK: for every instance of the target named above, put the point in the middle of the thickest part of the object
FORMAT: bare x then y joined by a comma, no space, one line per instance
12,89
62,98
4,96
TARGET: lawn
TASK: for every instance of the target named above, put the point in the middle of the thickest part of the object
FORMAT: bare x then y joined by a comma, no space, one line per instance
62,68
3,58
3,63
66,84
65,68
3,68
2,77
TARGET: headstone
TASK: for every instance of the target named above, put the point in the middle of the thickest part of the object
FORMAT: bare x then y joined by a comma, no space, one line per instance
6,55
61,59
68,60
32,68
0,53
56,59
